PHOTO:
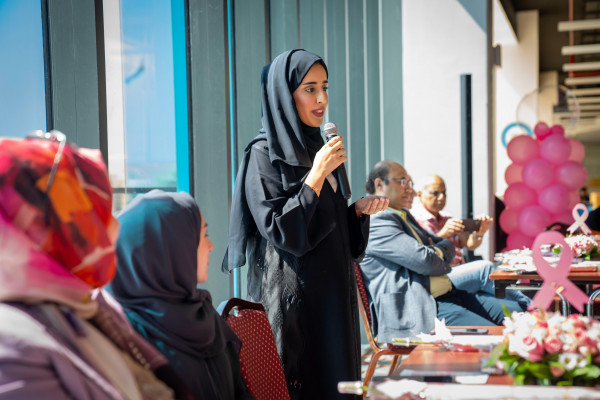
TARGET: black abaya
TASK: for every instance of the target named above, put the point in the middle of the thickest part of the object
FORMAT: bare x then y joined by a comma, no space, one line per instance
300,245
304,251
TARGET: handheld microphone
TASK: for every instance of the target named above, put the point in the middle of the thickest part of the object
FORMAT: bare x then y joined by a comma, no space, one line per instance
330,130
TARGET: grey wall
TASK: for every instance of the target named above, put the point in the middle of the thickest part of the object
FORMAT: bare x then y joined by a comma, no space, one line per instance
73,67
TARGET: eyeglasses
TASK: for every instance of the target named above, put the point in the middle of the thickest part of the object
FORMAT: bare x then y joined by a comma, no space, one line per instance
436,194
53,136
403,181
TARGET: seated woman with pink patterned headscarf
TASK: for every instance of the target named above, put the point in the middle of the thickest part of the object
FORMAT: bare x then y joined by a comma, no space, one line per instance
60,338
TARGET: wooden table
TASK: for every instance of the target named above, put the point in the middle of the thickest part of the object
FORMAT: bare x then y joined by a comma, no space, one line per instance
504,279
429,358
436,360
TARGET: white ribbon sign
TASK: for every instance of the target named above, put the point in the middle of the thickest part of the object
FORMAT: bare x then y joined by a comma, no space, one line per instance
580,219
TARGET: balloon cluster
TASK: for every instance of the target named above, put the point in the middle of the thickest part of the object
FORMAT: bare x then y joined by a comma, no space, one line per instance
543,182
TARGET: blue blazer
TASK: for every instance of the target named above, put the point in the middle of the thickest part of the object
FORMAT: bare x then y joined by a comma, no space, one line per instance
396,270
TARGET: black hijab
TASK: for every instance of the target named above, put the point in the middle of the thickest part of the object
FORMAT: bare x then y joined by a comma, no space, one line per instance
292,144
156,276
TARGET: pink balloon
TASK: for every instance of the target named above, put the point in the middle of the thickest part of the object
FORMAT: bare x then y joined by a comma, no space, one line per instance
509,220
538,173
518,195
565,217
571,174
577,150
541,130
554,198
533,220
557,130
555,149
513,173
517,240
573,199
522,148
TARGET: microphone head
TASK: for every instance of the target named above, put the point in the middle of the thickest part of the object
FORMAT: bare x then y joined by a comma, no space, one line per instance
330,130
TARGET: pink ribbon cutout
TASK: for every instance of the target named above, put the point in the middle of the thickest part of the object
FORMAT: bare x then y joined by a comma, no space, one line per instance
555,278
580,219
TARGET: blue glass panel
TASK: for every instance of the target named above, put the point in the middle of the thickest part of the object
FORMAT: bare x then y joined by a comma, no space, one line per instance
155,99
22,91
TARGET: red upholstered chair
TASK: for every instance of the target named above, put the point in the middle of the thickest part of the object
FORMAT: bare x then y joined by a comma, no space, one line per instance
378,350
260,363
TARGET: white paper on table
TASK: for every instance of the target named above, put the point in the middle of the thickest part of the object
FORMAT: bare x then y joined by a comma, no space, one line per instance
395,389
478,379
477,340
587,264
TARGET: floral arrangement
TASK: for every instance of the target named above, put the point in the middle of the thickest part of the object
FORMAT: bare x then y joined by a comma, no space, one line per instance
582,246
550,349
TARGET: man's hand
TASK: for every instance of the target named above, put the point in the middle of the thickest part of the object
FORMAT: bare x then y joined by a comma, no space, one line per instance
371,205
474,240
486,221
451,227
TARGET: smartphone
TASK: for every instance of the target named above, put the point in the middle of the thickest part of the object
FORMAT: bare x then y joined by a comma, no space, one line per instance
471,225
468,331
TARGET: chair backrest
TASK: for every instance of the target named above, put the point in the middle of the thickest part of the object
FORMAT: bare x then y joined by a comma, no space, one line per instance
259,360
363,306
362,291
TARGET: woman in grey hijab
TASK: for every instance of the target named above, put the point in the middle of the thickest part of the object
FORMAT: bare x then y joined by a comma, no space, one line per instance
301,236
162,253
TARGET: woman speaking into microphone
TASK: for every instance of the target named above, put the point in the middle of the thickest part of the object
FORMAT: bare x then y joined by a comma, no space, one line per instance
300,235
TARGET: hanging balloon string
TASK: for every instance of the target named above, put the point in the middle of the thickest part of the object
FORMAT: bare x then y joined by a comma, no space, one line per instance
555,278
580,219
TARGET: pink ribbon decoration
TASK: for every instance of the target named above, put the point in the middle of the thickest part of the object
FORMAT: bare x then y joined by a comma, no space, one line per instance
555,278
580,219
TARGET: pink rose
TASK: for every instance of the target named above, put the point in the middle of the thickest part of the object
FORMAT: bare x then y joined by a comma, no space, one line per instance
591,344
552,345
535,349
557,370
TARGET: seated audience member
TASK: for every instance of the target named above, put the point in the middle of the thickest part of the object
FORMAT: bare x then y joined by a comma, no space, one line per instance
473,276
163,252
405,268
60,339
428,212
593,220
501,236
584,198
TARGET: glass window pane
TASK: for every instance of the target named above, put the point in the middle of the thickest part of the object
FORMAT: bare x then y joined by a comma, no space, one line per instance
154,93
22,91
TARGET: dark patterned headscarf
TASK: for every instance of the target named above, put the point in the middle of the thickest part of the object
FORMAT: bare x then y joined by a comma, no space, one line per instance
156,275
292,144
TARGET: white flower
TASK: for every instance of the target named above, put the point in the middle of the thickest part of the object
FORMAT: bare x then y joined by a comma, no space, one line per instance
555,321
581,244
593,331
584,350
571,360
539,334
568,342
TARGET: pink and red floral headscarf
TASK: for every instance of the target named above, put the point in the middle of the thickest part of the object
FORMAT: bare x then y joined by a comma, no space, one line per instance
60,245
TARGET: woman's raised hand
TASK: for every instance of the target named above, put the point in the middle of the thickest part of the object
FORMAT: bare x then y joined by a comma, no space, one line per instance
327,159
330,156
371,205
